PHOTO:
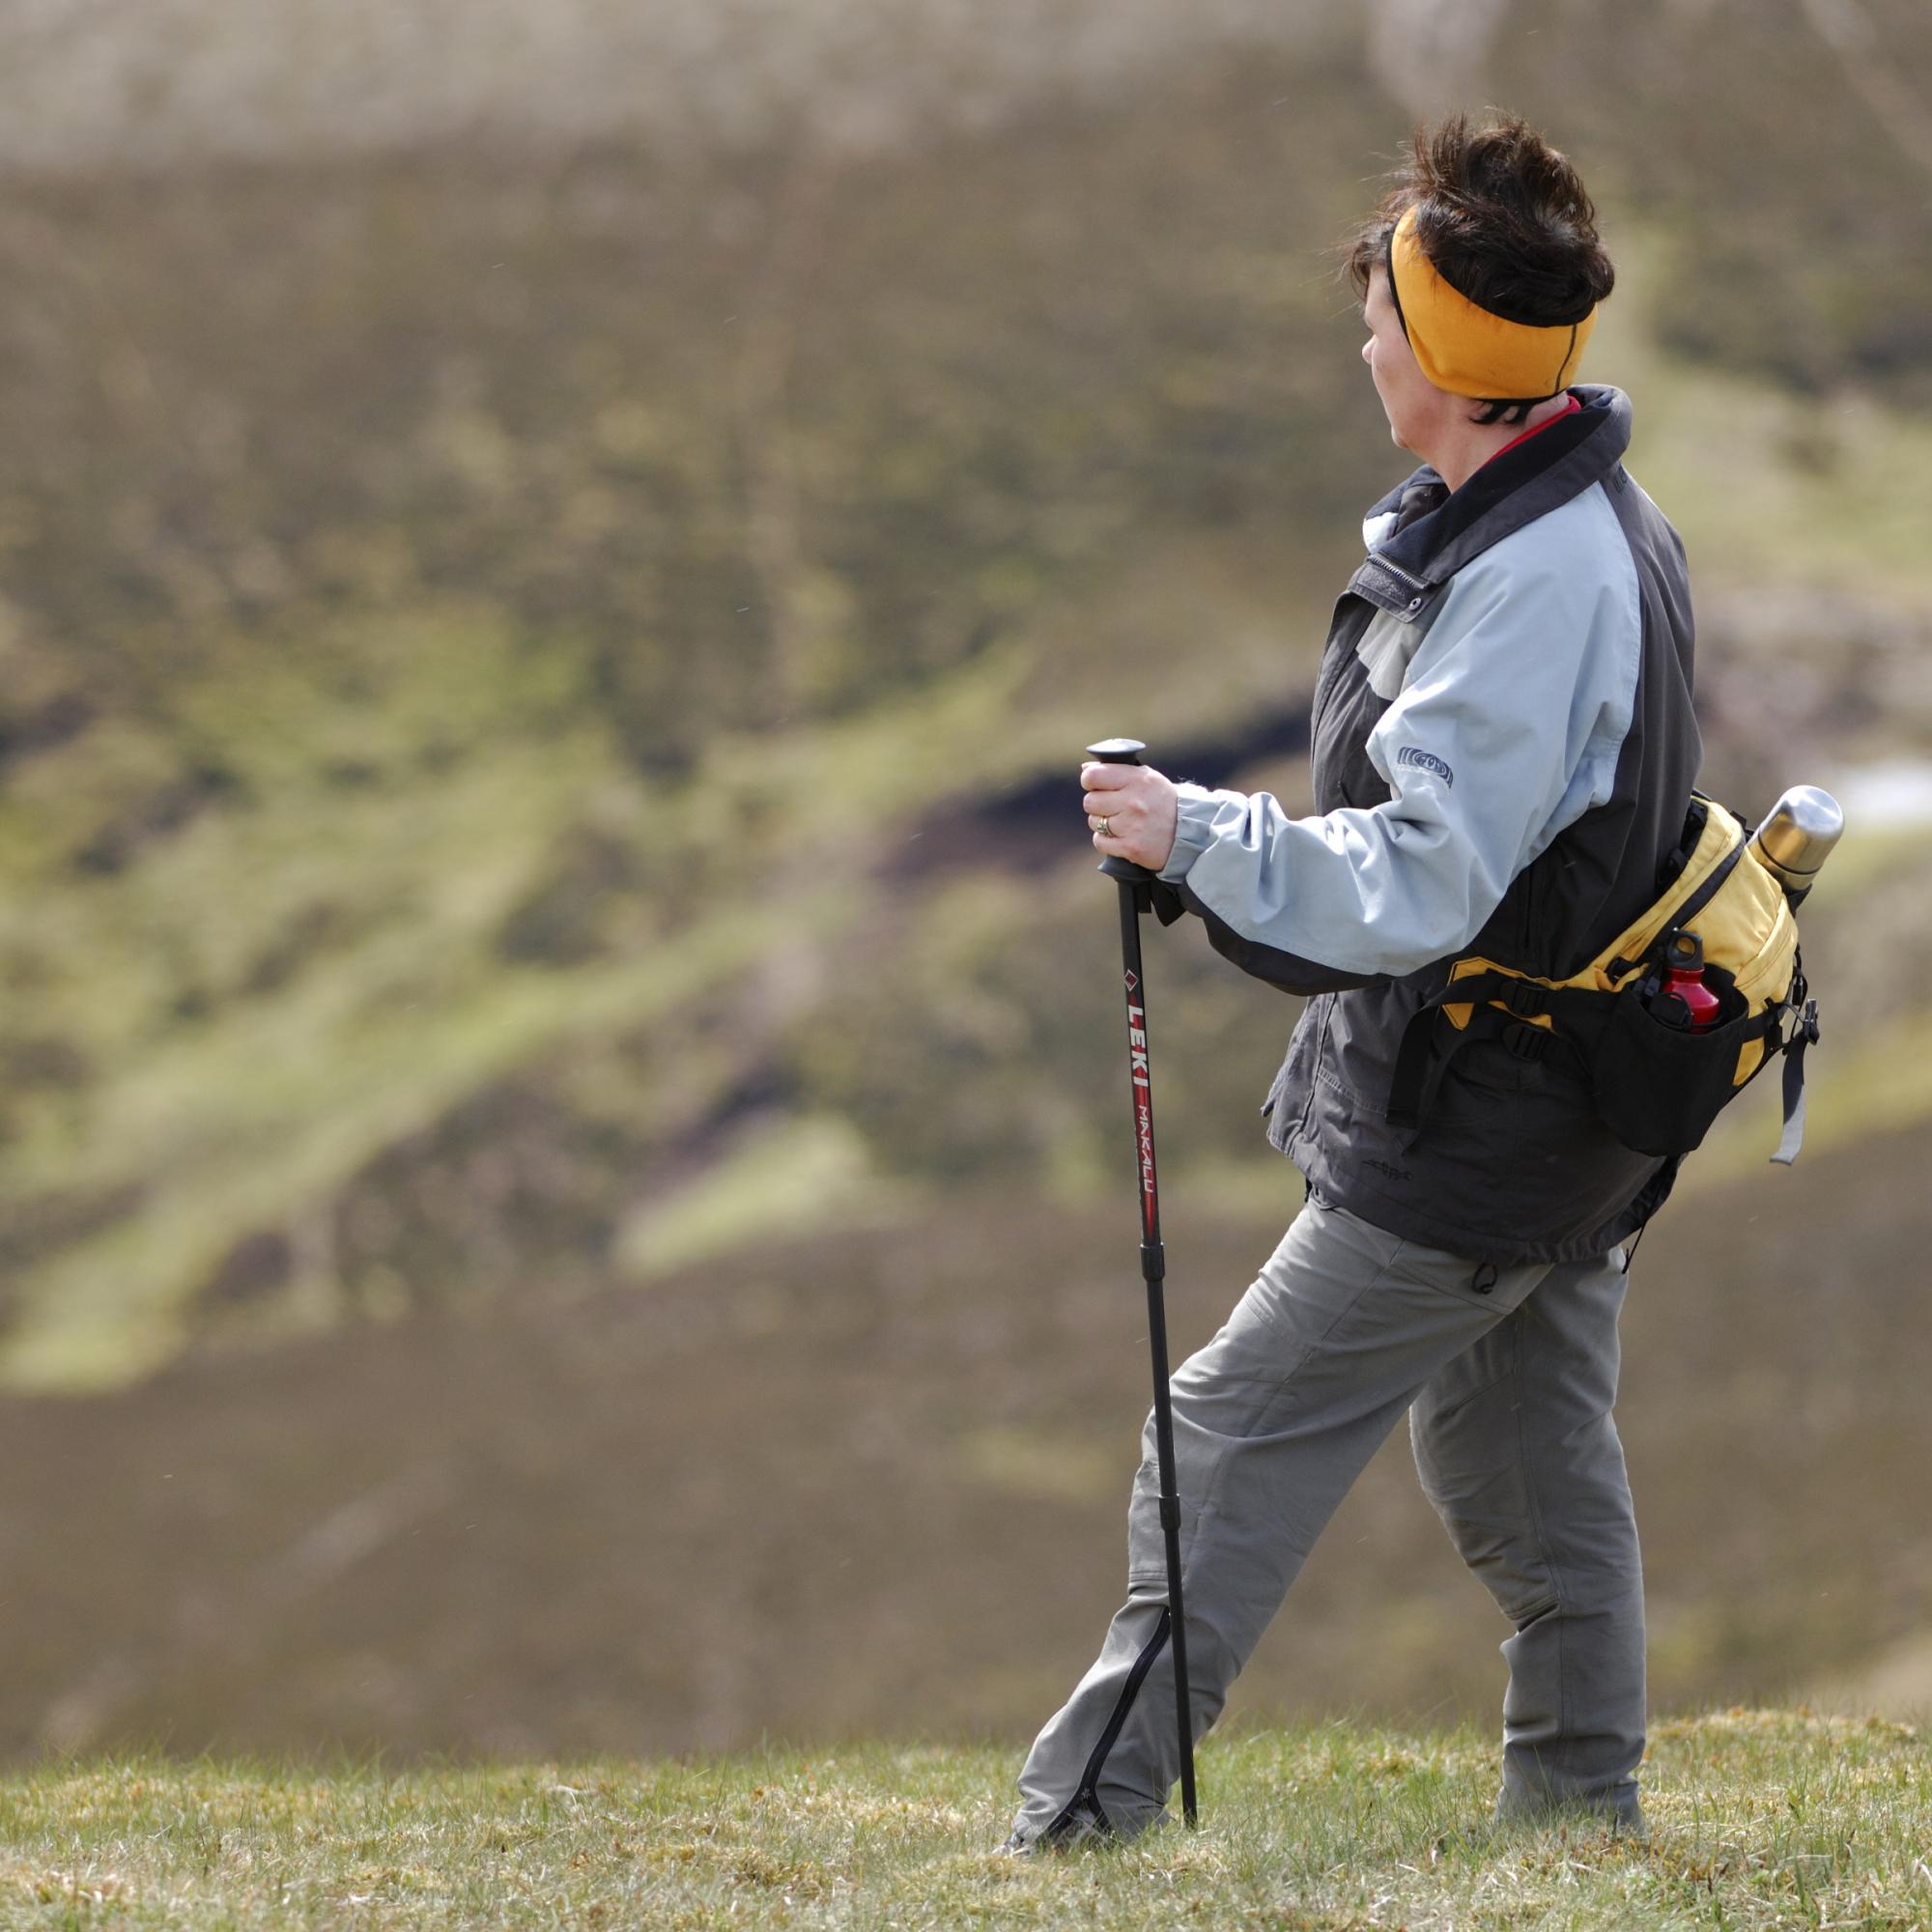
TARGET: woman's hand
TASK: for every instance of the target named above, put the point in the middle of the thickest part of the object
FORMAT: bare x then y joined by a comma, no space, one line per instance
1131,813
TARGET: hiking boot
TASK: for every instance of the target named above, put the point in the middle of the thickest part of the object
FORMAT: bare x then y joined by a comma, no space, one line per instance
1075,1827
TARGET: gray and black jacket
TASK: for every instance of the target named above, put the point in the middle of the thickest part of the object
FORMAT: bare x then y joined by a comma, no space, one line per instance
1503,754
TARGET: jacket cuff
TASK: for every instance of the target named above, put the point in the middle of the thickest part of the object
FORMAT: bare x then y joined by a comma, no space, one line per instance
1193,829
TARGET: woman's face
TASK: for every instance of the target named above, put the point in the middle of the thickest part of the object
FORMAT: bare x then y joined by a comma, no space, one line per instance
1411,401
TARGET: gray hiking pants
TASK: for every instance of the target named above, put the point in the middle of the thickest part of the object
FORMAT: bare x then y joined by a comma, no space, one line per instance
1509,1375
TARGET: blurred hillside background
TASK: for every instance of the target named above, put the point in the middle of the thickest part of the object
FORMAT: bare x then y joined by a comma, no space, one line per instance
564,1178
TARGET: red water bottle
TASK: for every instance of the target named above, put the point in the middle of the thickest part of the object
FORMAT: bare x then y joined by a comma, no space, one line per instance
1683,1000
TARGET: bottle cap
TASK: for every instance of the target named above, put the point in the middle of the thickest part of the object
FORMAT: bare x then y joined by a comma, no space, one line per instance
1799,833
1685,954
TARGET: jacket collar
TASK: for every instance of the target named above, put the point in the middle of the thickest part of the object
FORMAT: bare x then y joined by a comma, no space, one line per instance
1436,531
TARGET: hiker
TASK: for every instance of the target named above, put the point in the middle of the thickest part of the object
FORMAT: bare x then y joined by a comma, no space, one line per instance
1503,754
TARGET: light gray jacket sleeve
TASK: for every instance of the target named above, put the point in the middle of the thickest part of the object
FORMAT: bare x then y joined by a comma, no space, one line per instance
1506,729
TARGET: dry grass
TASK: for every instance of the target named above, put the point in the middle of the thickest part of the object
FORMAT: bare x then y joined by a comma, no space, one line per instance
1758,1819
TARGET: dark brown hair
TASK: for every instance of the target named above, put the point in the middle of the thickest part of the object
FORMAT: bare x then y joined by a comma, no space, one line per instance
1503,217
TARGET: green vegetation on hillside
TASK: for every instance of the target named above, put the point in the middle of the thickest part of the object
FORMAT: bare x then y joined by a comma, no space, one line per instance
561,1118
515,673
1757,1819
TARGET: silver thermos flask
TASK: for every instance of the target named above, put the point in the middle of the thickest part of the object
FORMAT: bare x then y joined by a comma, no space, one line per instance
1796,837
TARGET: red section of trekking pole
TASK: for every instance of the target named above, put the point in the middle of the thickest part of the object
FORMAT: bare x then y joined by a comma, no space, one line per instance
1136,897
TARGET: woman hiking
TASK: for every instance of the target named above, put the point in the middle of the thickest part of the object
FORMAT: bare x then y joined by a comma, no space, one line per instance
1503,754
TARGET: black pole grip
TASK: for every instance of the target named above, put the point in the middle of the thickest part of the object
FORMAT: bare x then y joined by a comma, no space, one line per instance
1121,751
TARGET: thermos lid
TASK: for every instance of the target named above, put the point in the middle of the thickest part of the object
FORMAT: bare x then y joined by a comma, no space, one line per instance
1801,829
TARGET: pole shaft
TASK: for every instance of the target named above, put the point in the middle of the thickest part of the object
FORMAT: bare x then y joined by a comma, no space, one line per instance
1153,1271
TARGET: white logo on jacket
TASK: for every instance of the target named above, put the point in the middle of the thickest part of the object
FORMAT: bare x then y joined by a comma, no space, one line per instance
1427,761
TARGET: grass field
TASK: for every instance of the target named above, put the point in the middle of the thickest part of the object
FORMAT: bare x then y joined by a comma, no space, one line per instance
1757,1819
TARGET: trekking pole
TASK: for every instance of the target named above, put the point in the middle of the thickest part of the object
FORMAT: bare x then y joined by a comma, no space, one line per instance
1136,897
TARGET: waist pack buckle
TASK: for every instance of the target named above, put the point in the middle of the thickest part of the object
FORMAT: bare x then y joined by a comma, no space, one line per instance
1524,1000
1526,1043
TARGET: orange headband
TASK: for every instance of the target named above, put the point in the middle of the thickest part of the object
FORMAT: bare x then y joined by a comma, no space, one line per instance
1465,349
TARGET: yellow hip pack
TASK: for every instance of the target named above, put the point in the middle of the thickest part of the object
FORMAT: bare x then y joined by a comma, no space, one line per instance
1658,1082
